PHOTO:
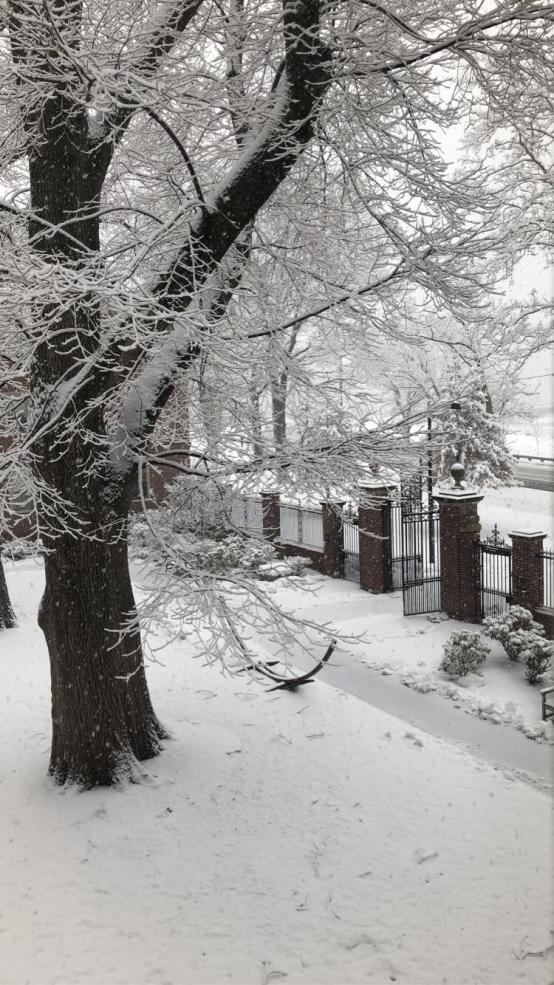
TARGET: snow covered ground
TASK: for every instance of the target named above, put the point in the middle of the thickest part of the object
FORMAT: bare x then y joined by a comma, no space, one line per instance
534,436
412,648
517,508
295,838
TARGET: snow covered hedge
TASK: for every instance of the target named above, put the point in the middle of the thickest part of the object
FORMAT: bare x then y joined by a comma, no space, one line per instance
187,553
463,654
537,654
522,639
198,507
510,628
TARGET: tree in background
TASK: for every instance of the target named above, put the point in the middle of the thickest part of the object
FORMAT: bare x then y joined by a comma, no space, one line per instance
469,377
471,434
148,152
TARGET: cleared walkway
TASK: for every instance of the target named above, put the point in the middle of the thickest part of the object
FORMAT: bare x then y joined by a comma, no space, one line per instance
503,746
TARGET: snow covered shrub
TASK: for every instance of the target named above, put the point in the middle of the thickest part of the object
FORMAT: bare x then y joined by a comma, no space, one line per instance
537,654
158,542
512,629
286,567
189,551
463,654
140,538
231,553
199,507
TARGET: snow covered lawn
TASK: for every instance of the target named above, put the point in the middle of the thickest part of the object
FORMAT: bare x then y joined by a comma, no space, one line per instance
535,436
517,508
295,838
411,647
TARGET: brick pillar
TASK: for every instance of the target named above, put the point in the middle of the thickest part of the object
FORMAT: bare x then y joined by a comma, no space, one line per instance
157,480
373,533
271,515
459,557
527,568
332,538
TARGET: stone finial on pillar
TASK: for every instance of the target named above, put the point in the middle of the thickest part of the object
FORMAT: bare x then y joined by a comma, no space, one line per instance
332,537
374,534
527,568
459,559
271,515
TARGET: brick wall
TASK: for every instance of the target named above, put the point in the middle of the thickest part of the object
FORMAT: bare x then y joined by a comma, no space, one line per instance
459,557
527,568
332,539
527,577
545,616
271,515
373,533
297,550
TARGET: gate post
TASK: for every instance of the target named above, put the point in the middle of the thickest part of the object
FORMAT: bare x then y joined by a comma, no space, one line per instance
527,568
459,526
374,533
332,537
271,515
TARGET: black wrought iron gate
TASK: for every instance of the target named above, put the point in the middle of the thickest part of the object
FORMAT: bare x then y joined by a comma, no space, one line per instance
351,550
494,564
421,582
392,530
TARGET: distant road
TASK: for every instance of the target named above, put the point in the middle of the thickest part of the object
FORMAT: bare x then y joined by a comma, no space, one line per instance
535,472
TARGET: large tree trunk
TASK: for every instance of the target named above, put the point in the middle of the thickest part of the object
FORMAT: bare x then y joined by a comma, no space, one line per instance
7,618
101,710
102,718
103,721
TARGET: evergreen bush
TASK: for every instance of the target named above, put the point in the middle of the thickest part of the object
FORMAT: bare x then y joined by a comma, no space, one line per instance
512,630
463,654
537,654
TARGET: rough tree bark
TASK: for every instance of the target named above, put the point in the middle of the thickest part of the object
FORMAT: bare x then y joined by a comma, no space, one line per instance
279,410
7,618
102,717
279,393
255,419
103,721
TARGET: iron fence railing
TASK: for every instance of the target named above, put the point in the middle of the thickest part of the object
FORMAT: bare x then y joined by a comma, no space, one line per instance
412,555
301,526
350,537
351,550
421,576
392,529
494,569
547,578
